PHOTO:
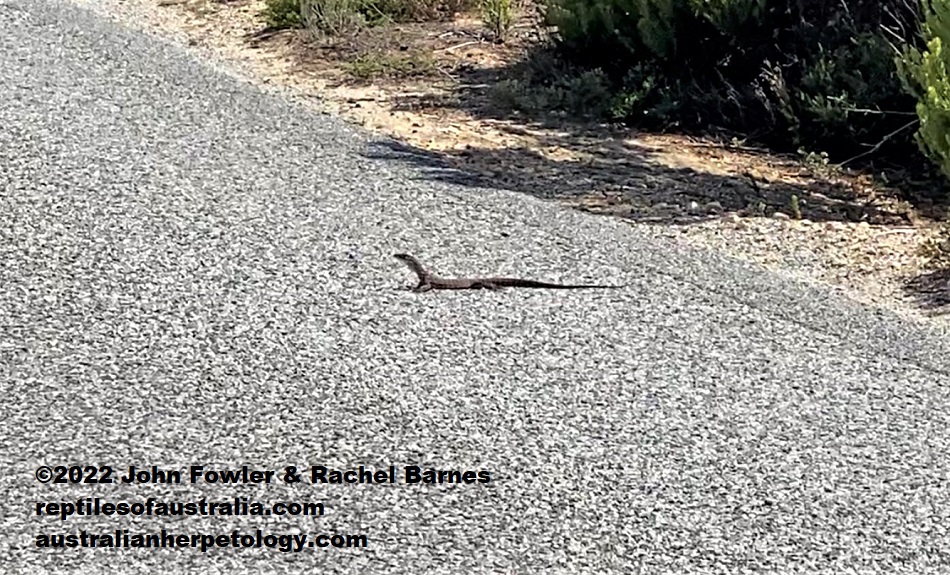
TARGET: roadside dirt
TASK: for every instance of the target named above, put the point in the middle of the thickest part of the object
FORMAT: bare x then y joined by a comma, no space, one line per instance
430,87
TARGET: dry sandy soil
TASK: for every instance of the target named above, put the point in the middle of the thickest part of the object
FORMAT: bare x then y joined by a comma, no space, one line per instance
429,86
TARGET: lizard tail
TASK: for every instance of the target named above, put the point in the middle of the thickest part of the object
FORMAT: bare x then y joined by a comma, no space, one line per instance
516,282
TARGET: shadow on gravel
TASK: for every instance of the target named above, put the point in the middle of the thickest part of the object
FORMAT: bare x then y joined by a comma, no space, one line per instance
611,176
931,291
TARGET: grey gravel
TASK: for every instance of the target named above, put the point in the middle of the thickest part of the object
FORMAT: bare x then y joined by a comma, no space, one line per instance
198,272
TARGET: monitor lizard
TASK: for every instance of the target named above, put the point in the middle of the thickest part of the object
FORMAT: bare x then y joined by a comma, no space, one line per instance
429,281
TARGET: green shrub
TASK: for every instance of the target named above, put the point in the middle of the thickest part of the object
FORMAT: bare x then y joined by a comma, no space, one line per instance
583,95
420,10
377,65
497,16
333,17
796,73
926,76
282,13
859,74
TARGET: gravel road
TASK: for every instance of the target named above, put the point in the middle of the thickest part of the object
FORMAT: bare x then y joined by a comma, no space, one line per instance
198,272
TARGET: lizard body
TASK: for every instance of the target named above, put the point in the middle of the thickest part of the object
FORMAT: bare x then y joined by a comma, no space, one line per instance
429,281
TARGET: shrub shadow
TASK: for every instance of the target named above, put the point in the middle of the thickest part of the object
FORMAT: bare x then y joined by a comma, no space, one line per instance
613,176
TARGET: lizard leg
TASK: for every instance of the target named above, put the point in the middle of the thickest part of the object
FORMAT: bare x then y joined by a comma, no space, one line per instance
422,287
485,285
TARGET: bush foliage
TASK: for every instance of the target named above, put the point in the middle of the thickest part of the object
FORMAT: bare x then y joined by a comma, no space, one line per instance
792,73
925,71
282,13
498,16
339,16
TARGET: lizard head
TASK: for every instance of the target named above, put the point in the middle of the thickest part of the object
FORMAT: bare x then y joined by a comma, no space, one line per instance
413,264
